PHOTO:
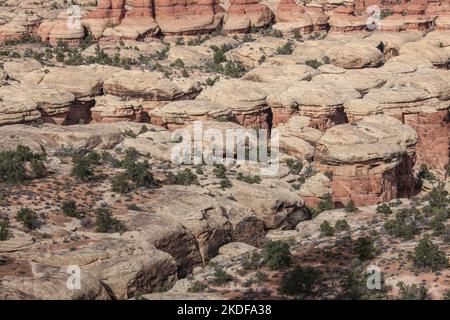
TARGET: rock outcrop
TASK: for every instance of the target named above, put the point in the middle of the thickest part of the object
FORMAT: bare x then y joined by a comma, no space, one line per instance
53,104
188,16
322,103
67,28
370,162
246,99
180,113
424,110
244,14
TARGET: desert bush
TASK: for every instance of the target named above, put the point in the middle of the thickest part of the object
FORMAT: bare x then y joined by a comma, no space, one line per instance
184,178
384,209
424,173
406,223
314,63
221,277
38,168
249,179
355,284
120,183
364,248
341,225
412,291
106,223
326,230
351,206
295,166
83,168
427,255
197,287
299,282
225,183
12,164
4,232
139,174
285,49
276,255
28,218
326,204
69,208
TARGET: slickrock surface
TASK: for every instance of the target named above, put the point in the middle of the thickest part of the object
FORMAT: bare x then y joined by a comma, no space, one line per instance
146,85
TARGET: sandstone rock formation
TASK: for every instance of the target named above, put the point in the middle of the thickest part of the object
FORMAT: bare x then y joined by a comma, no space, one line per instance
138,23
423,110
21,25
146,85
111,109
344,20
53,104
180,113
370,162
244,14
188,16
322,103
67,28
292,17
108,13
246,99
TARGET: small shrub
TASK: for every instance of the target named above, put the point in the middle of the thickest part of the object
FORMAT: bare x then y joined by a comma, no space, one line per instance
427,255
249,179
285,49
82,169
38,168
251,261
276,255
120,183
220,171
341,225
315,64
261,277
299,281
28,218
326,230
225,183
351,207
197,287
384,209
4,232
184,178
221,277
425,173
326,204
106,223
69,208
364,248
295,166
405,225
412,291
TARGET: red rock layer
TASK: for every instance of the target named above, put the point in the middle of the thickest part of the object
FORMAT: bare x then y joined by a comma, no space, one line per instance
188,16
243,14
433,130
